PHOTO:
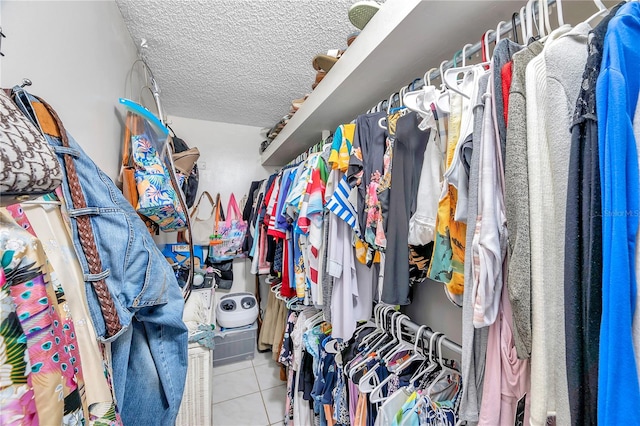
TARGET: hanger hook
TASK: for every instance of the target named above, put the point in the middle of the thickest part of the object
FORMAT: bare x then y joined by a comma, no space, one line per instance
427,76
560,13
530,18
498,31
514,30
431,344
442,64
487,51
414,82
464,53
439,343
523,24
455,58
418,337
393,95
398,332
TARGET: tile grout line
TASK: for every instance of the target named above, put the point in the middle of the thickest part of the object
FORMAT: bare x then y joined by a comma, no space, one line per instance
237,397
264,404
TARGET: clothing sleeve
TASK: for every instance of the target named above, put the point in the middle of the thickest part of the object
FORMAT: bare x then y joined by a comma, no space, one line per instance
517,208
619,180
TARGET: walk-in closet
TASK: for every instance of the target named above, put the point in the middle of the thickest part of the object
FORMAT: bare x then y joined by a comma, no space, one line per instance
319,213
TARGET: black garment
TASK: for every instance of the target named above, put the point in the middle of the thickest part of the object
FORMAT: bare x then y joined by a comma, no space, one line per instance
583,243
350,352
369,141
251,200
306,377
249,214
408,156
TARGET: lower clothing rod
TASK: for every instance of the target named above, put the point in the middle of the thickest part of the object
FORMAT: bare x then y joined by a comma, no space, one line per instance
449,344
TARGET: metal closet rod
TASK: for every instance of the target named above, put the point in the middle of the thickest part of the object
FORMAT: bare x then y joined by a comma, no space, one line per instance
477,47
449,344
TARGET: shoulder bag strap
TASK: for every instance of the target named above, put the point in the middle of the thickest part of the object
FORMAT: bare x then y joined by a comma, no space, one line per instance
194,210
232,209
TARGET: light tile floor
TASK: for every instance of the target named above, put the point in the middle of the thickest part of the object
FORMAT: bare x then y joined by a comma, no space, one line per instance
249,393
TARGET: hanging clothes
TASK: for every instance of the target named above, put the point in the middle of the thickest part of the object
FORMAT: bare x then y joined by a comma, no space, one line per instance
474,340
409,150
617,92
517,200
41,315
583,242
548,389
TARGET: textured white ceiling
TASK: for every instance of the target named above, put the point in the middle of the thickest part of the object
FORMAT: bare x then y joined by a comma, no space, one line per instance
235,61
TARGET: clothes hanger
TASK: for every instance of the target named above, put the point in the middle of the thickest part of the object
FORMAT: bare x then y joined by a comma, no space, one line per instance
432,364
390,102
366,324
382,342
514,30
560,13
602,11
450,76
486,45
451,80
394,334
443,101
427,77
445,369
371,349
379,330
499,31
464,53
376,395
543,17
402,344
376,318
276,288
530,19
370,380
523,24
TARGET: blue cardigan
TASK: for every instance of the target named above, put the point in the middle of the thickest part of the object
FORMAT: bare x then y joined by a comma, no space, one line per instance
616,98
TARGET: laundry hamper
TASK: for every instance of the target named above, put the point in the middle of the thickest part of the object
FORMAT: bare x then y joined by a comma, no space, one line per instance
197,401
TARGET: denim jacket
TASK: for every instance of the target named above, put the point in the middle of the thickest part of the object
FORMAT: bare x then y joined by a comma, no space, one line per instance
149,354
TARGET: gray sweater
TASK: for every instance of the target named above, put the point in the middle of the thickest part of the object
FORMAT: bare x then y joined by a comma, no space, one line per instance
517,202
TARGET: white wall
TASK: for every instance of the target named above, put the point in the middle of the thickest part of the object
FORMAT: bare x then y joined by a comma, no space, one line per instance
229,162
78,55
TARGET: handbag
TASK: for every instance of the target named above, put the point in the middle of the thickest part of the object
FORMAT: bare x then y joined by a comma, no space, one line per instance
185,161
134,126
30,168
157,198
226,241
202,229
224,279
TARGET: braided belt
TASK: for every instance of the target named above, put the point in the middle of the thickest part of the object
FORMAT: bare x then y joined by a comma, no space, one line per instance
85,233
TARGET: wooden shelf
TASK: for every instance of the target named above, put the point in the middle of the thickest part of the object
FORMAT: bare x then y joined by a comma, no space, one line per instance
402,41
